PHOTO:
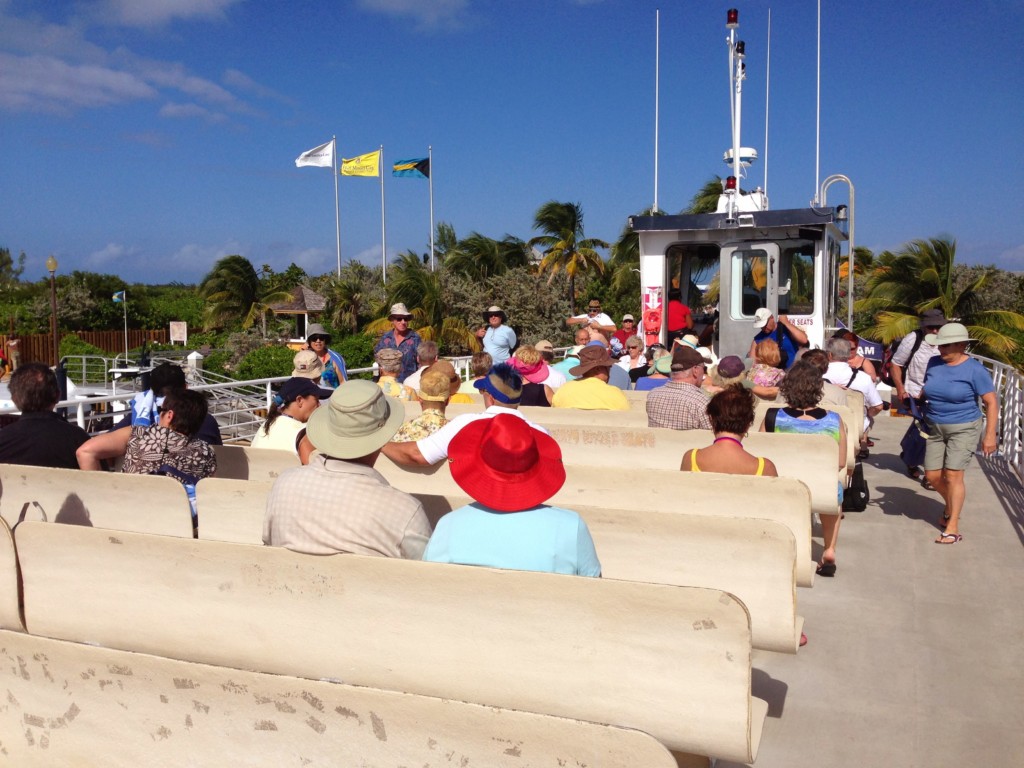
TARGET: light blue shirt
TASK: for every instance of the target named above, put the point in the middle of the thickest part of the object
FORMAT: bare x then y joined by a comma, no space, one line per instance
498,343
952,391
541,538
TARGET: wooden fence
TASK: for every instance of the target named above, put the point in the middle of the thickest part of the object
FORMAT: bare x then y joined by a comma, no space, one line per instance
38,347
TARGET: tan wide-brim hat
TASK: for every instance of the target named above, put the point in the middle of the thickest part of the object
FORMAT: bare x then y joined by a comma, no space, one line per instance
950,333
307,364
495,310
357,420
399,310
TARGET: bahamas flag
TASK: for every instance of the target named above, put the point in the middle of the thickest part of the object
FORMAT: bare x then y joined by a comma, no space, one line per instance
417,168
364,165
118,297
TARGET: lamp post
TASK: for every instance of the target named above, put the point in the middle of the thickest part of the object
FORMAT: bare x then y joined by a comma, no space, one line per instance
51,267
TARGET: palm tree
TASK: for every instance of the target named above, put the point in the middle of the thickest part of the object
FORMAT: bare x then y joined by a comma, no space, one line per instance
920,276
232,290
625,258
479,257
863,262
706,199
422,291
565,248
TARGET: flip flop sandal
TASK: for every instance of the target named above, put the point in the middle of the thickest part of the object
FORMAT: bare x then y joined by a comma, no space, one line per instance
926,485
828,570
949,538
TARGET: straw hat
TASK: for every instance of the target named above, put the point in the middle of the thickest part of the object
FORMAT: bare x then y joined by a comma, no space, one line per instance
357,420
505,464
434,386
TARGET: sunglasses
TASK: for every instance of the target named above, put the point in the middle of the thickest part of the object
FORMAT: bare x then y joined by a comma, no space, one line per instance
593,309
314,339
400,319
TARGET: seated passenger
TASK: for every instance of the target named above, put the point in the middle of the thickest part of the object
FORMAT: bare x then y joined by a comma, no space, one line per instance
390,363
510,469
456,396
531,366
732,413
339,503
39,437
293,404
170,447
433,394
592,391
767,368
657,374
479,366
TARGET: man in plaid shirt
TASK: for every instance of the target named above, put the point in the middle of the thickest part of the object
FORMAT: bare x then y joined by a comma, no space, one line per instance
681,403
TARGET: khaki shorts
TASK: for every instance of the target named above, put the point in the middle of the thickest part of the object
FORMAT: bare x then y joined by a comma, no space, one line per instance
951,446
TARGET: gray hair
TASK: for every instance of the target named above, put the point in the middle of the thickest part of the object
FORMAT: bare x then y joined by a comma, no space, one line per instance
427,352
838,349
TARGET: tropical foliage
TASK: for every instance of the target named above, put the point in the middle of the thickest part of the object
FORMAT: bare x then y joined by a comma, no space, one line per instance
565,247
922,276
232,290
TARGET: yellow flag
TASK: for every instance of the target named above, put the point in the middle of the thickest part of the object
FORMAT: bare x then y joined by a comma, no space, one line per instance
364,165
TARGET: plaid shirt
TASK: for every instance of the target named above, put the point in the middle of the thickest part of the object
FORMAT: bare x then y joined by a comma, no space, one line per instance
678,405
332,506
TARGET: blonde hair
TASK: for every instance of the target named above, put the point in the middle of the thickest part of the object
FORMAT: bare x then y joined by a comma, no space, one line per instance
767,352
527,355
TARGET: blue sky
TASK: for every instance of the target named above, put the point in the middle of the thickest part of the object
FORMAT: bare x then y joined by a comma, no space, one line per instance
147,138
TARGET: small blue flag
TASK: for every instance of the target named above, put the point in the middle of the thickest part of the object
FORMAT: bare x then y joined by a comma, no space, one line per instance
119,297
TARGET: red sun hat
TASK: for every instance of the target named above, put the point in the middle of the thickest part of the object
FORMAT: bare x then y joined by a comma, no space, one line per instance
505,464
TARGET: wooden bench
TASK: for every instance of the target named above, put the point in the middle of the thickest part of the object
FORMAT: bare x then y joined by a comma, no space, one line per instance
10,611
237,462
144,503
811,459
671,661
751,558
782,499
74,704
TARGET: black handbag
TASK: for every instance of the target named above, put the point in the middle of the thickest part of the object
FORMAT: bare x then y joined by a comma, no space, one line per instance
857,496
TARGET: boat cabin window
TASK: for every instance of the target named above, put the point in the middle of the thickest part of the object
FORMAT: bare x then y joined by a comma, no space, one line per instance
750,280
796,278
692,270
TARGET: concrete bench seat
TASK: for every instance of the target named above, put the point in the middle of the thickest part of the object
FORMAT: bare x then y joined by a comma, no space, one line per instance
811,459
238,462
144,503
74,704
751,558
10,611
536,642
782,499
853,427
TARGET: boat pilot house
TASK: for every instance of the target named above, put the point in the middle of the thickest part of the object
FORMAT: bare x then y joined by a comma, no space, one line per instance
785,260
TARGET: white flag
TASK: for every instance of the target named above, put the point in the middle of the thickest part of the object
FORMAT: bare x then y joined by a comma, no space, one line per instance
319,157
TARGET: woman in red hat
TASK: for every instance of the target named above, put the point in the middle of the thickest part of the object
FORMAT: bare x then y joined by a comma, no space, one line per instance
510,469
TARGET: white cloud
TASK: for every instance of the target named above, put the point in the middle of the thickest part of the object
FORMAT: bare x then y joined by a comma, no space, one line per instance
46,84
52,67
152,13
111,254
179,111
194,258
429,13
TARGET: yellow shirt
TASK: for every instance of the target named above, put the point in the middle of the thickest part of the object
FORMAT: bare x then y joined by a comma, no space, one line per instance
590,394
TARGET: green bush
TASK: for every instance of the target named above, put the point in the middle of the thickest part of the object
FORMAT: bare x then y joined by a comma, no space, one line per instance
357,350
95,370
217,362
266,362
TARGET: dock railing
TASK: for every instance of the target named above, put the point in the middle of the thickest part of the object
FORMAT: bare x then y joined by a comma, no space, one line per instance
1009,384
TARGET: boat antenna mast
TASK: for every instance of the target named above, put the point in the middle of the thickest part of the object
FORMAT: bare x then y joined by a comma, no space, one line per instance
737,157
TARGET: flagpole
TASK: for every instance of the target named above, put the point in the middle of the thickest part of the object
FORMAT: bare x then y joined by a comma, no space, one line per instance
125,307
337,210
657,74
430,178
383,230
